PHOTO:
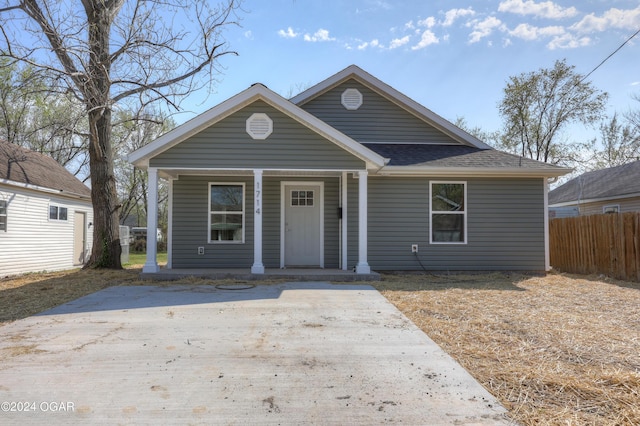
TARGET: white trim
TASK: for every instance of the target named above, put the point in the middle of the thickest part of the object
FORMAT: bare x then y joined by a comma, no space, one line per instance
59,207
394,96
169,264
30,186
595,200
470,172
151,264
547,255
209,212
140,157
431,212
363,264
258,189
283,197
344,228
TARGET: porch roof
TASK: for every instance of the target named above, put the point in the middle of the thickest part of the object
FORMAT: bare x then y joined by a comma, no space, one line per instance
141,157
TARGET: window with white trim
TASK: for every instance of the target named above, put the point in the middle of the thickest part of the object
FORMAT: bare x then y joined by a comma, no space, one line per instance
226,212
613,208
3,215
448,212
57,212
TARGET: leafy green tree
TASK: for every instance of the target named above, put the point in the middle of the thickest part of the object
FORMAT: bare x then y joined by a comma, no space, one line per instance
538,107
620,144
111,52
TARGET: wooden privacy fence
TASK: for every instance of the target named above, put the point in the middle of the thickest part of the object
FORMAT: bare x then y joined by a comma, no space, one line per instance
598,244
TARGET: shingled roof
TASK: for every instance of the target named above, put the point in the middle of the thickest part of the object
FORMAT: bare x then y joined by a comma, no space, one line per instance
608,183
459,157
23,166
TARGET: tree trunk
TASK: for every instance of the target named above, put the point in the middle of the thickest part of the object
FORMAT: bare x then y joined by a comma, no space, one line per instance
106,232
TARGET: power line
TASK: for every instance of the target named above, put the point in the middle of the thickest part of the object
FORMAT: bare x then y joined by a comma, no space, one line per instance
610,55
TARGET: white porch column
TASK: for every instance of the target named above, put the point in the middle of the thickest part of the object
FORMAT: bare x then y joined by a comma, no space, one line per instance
363,266
345,245
547,257
151,264
258,267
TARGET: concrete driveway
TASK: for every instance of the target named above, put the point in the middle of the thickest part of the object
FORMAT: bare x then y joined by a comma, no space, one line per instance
295,353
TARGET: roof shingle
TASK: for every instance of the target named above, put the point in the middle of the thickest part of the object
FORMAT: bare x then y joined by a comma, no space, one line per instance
24,166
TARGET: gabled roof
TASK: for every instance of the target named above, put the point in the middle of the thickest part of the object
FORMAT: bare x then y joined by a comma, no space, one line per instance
141,157
22,167
400,99
614,182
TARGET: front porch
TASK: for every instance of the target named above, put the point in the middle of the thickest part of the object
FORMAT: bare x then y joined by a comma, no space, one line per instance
294,274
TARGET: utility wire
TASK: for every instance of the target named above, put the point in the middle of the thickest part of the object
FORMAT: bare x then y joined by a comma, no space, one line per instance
610,55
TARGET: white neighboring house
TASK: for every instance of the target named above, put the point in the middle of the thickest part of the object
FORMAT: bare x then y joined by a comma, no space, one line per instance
46,214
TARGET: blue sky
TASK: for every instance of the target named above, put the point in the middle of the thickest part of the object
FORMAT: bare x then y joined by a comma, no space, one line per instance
454,56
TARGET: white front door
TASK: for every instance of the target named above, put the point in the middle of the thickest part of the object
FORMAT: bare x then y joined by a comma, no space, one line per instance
302,224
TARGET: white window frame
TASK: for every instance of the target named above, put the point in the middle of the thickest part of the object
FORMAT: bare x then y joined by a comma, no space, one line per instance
608,206
5,215
210,212
57,218
464,213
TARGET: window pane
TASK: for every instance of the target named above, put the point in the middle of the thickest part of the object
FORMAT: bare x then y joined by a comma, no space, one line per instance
226,227
447,228
3,223
53,212
3,208
62,213
226,198
447,197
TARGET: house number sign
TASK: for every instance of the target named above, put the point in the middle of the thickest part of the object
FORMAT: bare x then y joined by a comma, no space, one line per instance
258,197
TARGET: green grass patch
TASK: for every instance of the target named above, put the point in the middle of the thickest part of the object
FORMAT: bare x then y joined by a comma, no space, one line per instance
138,259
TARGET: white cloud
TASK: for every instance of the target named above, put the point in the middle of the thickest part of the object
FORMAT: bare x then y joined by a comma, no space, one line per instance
530,32
397,42
612,18
409,25
289,33
635,83
451,15
568,41
429,22
373,44
320,35
484,28
545,9
248,34
428,38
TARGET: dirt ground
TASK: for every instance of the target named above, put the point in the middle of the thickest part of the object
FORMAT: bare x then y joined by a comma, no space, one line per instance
555,349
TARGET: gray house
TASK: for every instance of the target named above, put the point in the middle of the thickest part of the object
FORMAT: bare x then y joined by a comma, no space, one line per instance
349,174
611,190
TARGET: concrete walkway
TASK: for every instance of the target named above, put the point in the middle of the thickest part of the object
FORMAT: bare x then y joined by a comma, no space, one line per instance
296,353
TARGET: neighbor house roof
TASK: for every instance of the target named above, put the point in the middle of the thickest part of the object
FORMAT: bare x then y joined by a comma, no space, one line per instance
599,185
22,167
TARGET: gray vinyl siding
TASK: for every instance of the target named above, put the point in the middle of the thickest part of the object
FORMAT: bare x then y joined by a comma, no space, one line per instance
226,144
377,120
190,216
505,225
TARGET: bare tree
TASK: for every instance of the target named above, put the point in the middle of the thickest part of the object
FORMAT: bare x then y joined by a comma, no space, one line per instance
538,106
115,51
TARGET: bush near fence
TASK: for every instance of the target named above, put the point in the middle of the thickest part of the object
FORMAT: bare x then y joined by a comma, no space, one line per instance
606,244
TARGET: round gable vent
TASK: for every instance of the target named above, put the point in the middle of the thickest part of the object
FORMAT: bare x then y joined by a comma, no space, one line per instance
259,126
351,99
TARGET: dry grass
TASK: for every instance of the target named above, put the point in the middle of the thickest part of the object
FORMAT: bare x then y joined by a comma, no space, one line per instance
560,349
555,350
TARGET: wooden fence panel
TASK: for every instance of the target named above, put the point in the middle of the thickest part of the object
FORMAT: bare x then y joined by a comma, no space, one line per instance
606,244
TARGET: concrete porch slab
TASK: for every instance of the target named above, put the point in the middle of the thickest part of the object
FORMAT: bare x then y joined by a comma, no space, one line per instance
295,274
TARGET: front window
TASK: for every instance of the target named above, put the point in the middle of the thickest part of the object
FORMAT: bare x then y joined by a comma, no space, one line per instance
448,211
226,213
615,208
57,213
3,215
